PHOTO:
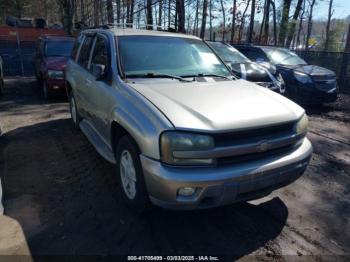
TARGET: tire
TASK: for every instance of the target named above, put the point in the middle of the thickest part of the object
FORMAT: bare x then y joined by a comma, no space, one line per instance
74,111
45,91
130,177
1,87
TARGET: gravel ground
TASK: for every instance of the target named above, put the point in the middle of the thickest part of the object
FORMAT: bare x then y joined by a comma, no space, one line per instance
60,196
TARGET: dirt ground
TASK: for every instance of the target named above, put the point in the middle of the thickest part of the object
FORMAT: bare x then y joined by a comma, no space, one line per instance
60,196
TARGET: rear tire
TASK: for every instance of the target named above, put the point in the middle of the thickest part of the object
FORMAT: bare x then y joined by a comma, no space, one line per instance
130,177
1,87
45,91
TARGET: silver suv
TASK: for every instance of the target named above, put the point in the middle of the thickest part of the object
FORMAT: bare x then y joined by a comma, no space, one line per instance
181,130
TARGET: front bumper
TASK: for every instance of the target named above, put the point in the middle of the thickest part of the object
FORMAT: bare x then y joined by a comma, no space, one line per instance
310,94
223,185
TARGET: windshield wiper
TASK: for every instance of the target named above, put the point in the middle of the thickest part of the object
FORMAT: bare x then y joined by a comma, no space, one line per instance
209,75
153,75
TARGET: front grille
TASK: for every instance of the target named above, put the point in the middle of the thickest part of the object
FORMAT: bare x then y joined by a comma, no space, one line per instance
324,82
254,156
246,137
251,135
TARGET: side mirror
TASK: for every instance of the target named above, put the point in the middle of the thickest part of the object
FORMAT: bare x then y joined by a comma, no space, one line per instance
98,71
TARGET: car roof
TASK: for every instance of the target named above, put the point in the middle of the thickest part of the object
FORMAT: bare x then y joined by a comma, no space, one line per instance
137,32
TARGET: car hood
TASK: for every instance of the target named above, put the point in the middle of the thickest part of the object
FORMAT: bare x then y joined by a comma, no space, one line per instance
56,63
217,106
251,72
311,70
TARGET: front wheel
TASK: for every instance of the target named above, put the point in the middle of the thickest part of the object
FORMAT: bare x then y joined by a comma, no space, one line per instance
130,175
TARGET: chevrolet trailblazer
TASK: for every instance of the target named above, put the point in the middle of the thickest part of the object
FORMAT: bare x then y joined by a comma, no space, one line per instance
181,130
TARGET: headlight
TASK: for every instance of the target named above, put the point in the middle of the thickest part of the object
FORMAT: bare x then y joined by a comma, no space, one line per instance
55,74
302,78
301,126
171,142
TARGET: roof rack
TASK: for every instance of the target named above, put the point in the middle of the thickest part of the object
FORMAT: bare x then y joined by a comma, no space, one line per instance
133,26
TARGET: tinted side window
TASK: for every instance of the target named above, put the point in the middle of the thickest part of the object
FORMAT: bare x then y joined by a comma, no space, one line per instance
76,46
84,54
256,55
100,54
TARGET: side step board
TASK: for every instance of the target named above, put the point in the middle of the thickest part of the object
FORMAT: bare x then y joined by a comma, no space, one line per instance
97,141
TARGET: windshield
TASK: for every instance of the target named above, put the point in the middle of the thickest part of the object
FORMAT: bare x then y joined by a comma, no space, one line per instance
160,55
283,57
228,53
63,48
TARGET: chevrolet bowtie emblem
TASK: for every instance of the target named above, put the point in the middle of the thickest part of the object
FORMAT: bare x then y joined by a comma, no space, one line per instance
263,146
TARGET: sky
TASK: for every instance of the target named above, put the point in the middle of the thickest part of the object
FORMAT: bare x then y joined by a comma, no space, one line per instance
341,9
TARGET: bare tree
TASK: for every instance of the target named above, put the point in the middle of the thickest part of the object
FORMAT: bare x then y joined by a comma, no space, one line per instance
274,23
204,18
233,25
181,15
160,11
301,20
223,19
149,14
210,20
68,14
241,26
284,22
110,13
251,25
195,24
330,14
309,24
294,22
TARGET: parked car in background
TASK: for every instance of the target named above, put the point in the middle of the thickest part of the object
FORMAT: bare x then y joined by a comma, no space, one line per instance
182,131
52,53
305,84
2,83
246,69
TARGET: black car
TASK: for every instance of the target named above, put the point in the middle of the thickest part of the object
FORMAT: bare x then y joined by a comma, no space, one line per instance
244,68
305,84
1,77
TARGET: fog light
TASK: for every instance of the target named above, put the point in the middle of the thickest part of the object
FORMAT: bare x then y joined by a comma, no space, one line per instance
56,87
186,191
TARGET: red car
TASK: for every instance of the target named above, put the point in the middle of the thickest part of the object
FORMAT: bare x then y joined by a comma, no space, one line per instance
52,53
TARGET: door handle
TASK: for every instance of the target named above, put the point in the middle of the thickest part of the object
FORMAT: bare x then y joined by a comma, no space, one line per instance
87,81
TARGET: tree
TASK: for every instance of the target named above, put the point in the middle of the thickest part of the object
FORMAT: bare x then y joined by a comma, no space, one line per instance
251,25
330,13
204,18
309,24
241,26
233,25
180,10
274,23
223,19
284,22
294,22
149,15
301,20
110,17
68,14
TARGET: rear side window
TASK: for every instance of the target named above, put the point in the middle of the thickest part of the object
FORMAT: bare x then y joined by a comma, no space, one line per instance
100,54
76,46
255,55
84,53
